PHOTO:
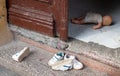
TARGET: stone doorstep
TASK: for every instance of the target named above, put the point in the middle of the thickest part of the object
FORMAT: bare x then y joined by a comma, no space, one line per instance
36,63
19,71
105,55
111,70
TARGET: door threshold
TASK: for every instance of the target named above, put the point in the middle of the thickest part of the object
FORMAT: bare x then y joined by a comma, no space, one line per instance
87,61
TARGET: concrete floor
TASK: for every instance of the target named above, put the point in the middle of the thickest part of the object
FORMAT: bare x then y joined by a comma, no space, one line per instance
92,50
109,36
35,64
6,72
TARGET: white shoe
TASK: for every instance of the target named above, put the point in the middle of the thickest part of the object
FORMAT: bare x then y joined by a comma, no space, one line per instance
57,57
62,65
22,54
76,63
67,56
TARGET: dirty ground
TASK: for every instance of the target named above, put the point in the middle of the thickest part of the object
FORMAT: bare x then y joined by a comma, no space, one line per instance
36,63
92,50
7,72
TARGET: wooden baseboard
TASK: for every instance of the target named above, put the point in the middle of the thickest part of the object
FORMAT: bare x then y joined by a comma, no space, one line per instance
36,20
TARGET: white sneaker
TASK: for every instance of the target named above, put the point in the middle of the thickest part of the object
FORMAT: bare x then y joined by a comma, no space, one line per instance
57,57
62,65
22,54
76,63
67,56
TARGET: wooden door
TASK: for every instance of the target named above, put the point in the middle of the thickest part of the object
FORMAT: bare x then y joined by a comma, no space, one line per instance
45,16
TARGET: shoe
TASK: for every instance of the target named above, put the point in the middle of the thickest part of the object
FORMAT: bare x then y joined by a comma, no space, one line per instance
76,64
63,65
22,54
57,57
67,56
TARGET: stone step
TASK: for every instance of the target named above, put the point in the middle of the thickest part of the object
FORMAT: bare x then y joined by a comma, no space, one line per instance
6,72
36,63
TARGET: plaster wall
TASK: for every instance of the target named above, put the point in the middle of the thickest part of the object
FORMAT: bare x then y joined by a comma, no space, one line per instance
5,34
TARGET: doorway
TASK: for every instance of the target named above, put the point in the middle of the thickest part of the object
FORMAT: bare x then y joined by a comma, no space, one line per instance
108,36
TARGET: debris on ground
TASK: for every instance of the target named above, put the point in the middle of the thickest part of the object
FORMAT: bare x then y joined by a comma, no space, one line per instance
21,55
63,62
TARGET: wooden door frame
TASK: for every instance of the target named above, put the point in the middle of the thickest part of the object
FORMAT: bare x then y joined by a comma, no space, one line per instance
36,16
60,10
61,18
